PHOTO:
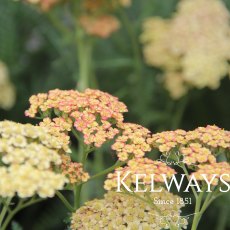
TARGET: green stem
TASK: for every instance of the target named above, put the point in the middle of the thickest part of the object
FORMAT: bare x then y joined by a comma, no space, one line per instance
65,201
108,170
197,213
4,210
84,51
77,188
19,207
187,175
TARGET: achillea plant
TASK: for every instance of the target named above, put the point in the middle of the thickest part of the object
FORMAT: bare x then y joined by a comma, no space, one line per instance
36,162
192,47
126,211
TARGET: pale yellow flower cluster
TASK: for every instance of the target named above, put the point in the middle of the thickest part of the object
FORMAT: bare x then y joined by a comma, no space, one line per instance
59,127
197,146
218,169
143,166
27,180
28,154
192,47
132,141
122,211
7,91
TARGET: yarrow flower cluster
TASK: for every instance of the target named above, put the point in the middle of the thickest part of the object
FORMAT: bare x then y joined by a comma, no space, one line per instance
97,21
218,169
7,91
198,146
59,127
132,141
122,211
142,166
73,170
101,26
193,47
28,154
93,112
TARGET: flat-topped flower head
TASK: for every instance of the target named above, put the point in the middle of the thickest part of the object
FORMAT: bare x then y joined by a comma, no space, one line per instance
211,136
210,170
198,146
166,141
35,145
73,170
122,211
29,156
194,153
93,113
25,180
132,142
143,166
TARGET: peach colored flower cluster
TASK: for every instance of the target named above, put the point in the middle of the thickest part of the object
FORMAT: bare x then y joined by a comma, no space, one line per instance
195,153
132,141
28,154
122,211
197,146
97,20
73,170
192,47
101,26
139,166
7,91
94,113
219,169
211,135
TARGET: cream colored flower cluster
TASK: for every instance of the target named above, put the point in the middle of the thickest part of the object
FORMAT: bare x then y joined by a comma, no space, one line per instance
93,112
7,91
28,154
198,146
26,180
122,211
219,169
143,166
132,141
193,47
59,127
73,170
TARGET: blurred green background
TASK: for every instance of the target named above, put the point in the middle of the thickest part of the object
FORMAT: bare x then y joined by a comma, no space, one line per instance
39,58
